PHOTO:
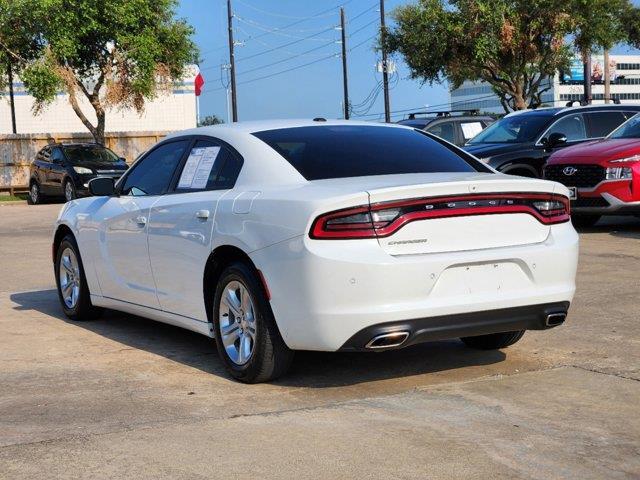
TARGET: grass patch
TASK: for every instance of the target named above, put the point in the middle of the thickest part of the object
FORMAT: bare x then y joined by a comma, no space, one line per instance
19,197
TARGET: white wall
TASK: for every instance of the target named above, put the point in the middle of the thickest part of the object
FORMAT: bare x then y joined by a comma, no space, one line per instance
173,111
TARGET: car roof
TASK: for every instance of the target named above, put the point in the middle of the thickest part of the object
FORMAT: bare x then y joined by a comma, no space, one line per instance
424,121
553,111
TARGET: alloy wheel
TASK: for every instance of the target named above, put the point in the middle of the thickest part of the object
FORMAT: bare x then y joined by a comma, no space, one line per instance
68,191
34,192
69,275
236,317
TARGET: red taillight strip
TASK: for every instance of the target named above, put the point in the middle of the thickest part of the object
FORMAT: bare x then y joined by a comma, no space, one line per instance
365,230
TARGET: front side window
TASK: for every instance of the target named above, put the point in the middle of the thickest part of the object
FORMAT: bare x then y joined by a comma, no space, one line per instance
209,166
629,129
56,155
515,129
572,126
341,151
153,173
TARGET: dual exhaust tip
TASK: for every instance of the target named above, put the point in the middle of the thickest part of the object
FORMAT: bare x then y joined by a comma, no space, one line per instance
387,340
554,319
396,339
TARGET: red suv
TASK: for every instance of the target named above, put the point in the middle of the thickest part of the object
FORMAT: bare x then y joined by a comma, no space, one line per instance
603,176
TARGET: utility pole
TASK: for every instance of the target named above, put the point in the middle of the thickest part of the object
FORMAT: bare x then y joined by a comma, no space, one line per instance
232,63
345,81
11,98
385,74
607,78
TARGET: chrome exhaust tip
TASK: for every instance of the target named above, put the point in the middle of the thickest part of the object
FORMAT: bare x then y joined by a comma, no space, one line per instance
554,319
387,340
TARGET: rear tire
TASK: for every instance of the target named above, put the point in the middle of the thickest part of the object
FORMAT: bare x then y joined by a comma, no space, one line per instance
584,221
493,341
73,290
252,349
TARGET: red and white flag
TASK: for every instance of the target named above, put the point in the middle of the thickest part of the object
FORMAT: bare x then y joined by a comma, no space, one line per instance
199,83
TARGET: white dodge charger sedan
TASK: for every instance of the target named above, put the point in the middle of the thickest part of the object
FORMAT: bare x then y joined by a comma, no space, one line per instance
279,236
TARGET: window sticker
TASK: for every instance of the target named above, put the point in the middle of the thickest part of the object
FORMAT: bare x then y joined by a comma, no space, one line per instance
470,130
197,169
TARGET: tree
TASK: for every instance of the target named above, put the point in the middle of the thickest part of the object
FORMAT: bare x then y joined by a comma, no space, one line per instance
514,45
210,120
598,24
114,53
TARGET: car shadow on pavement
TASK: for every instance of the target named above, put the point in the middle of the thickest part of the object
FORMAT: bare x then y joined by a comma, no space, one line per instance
310,369
618,226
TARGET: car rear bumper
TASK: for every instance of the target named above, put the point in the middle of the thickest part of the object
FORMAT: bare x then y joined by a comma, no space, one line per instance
325,292
530,317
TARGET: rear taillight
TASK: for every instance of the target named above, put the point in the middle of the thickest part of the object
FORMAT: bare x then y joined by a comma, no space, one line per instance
384,219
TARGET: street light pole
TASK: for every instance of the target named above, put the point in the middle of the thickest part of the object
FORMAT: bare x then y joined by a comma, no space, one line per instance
11,97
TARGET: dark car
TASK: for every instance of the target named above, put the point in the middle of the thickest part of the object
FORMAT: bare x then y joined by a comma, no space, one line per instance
64,170
521,142
454,128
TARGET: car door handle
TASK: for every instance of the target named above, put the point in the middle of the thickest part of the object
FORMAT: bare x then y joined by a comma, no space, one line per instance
142,221
202,214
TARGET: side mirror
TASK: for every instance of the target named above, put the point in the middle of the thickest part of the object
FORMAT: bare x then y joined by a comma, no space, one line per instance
122,159
555,139
102,187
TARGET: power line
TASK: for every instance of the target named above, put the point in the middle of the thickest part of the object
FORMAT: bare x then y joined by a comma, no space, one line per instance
297,55
289,25
363,27
284,45
264,77
363,42
276,30
279,14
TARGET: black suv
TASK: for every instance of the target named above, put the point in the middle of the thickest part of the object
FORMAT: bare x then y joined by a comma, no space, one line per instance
64,170
454,128
521,142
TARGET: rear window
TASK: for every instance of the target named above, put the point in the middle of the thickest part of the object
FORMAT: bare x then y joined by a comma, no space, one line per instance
341,151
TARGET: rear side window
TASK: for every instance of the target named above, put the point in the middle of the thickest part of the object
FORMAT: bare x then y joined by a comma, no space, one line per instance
341,151
210,166
602,124
444,130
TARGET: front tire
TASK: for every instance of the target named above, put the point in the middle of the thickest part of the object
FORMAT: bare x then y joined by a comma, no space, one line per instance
493,341
69,191
35,194
584,221
247,337
73,290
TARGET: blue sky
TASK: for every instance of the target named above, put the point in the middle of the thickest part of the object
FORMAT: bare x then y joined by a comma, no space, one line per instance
314,90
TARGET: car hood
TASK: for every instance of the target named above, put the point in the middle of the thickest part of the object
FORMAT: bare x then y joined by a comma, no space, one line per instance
486,150
94,165
597,151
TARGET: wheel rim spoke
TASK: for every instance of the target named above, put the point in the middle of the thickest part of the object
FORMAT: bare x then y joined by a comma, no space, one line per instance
236,320
69,277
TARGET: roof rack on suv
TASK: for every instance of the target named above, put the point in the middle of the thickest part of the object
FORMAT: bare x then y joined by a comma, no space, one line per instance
444,113
582,103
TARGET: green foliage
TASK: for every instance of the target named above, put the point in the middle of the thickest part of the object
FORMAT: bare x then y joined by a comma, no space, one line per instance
210,120
116,53
514,45
598,23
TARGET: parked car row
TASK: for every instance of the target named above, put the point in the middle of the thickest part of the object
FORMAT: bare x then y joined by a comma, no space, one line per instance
64,170
574,146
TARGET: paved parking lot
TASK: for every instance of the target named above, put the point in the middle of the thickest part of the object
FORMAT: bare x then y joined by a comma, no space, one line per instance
123,397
